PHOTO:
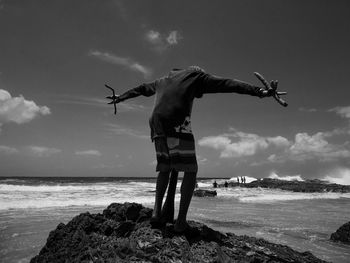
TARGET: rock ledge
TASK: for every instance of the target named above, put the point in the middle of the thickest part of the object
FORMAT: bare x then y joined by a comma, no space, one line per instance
307,186
122,233
342,234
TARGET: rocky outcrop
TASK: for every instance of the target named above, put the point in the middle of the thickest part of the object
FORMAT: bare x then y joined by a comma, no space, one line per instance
204,192
122,233
342,234
308,186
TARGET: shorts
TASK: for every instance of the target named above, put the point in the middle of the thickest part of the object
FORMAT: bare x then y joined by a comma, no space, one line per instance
174,153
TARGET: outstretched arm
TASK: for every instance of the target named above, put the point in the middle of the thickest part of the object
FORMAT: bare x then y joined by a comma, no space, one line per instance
146,89
215,84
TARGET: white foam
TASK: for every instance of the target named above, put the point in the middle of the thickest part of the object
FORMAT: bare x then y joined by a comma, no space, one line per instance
262,195
273,175
290,197
45,188
209,183
76,187
102,194
70,202
74,194
248,179
206,183
142,184
339,176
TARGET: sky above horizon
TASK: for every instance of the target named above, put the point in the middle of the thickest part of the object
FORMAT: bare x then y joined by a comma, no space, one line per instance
56,56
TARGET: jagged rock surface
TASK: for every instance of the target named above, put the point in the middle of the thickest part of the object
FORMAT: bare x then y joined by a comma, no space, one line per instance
122,233
342,234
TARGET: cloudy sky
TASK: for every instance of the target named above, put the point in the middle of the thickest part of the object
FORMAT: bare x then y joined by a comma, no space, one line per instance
56,56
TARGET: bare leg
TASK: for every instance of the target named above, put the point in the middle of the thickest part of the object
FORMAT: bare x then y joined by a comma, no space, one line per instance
162,184
168,207
187,187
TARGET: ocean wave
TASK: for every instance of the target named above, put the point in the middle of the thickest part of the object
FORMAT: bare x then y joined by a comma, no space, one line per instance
292,196
339,176
273,175
73,202
142,184
205,185
13,196
12,181
76,187
248,179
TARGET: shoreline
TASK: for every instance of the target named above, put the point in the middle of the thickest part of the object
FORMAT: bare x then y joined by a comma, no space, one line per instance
307,186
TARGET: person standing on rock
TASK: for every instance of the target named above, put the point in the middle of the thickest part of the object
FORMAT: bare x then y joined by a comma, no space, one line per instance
171,131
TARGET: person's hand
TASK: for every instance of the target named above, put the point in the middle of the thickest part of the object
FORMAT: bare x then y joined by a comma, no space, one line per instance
270,90
115,99
263,92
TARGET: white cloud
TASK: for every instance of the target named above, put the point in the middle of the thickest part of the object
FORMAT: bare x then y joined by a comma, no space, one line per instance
7,150
245,144
161,42
173,38
18,109
273,158
153,37
216,142
336,131
88,153
305,143
313,146
42,151
278,141
122,61
342,111
304,147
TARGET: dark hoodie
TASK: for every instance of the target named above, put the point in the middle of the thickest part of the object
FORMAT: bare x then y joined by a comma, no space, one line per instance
175,93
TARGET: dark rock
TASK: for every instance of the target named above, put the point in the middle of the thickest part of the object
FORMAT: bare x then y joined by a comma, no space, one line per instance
120,212
203,192
123,233
342,234
307,186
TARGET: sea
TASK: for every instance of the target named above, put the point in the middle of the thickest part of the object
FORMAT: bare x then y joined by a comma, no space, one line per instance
31,207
